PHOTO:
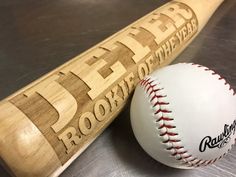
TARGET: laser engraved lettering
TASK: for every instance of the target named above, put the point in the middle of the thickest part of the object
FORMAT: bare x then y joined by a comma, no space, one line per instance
167,49
142,70
63,102
155,28
114,99
130,82
172,27
124,89
127,40
102,80
70,139
90,75
177,14
150,63
174,42
87,122
101,109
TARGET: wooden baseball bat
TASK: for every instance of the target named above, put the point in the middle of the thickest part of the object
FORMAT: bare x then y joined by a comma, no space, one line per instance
47,124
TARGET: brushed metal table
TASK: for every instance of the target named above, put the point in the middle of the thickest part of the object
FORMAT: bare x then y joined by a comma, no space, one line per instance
37,36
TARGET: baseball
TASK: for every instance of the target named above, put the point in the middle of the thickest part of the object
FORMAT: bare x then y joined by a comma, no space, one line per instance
184,115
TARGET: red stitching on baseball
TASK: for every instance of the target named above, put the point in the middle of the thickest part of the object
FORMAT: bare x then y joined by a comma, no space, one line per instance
160,103
169,133
171,141
209,162
175,147
166,126
193,159
214,160
162,111
165,119
179,158
189,160
188,156
214,73
156,96
179,153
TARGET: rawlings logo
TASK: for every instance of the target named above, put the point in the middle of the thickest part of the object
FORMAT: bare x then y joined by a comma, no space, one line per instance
220,141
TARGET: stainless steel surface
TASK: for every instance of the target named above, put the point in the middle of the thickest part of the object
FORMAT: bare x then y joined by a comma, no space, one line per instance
37,36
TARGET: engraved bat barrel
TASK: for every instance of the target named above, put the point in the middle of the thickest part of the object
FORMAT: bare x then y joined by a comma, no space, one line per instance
47,124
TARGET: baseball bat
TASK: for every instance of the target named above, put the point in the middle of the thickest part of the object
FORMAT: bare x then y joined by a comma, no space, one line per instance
47,124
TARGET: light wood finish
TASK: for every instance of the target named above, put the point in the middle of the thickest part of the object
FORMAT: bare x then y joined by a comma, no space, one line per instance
21,139
47,124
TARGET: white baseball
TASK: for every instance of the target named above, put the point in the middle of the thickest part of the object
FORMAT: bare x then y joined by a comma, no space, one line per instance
184,115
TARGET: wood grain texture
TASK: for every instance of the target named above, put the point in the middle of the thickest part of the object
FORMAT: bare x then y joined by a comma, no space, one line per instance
117,153
90,119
